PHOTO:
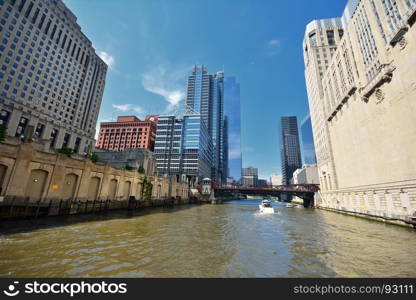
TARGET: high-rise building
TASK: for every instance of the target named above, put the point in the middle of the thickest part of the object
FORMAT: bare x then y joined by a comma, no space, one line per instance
290,148
127,132
183,147
262,183
205,97
250,176
224,153
320,44
198,95
276,179
168,145
217,130
197,147
362,103
308,147
308,174
233,112
51,79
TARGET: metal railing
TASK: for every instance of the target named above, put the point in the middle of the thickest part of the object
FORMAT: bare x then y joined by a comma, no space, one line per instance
307,188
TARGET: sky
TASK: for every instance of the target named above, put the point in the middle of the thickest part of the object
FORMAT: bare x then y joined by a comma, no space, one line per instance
150,47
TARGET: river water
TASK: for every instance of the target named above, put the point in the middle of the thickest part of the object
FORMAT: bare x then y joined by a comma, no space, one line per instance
228,240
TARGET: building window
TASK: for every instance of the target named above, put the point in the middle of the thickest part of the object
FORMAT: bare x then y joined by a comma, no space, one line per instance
331,37
39,130
54,134
4,116
21,127
65,143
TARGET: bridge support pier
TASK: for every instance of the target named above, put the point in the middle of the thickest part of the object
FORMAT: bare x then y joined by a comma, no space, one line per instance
308,200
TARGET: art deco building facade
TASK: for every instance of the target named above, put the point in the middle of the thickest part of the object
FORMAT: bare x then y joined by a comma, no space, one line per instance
128,132
50,76
362,107
320,43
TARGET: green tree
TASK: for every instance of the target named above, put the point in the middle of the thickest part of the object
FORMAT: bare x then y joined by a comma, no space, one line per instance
128,168
147,188
141,170
94,157
66,151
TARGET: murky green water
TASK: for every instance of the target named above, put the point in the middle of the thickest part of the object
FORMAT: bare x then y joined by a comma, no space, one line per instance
229,240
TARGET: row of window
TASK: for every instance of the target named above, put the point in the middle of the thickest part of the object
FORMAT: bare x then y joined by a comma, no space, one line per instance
39,130
55,33
24,63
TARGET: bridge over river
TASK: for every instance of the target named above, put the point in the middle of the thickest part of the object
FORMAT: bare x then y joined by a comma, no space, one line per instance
303,191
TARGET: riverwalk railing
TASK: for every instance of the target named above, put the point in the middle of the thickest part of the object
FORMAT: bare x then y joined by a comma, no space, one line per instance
13,207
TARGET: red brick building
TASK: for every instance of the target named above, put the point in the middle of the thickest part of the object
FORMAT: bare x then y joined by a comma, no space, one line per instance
127,132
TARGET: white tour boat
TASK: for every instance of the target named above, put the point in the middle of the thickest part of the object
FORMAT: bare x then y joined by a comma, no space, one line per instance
266,207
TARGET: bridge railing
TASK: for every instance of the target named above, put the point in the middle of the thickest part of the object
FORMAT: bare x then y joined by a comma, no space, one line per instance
309,188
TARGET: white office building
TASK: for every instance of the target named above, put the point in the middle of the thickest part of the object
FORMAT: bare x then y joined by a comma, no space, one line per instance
51,79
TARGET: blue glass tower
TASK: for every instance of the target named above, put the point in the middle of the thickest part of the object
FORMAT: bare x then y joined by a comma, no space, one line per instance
233,112
308,147
183,147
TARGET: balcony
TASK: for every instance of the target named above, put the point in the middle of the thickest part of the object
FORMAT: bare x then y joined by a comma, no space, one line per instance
411,16
398,33
385,75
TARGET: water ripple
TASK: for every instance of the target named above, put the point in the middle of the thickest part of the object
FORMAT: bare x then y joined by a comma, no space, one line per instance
230,240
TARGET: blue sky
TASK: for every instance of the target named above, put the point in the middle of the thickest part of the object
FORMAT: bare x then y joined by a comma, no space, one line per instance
151,46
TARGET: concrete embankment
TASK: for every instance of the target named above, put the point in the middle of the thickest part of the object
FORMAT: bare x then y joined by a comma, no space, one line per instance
18,208
394,221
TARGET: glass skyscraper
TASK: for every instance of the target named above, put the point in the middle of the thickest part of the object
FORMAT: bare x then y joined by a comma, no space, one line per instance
205,97
308,147
224,157
232,111
197,147
183,147
290,148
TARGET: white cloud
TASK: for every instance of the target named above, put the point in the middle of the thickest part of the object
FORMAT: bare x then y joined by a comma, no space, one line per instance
138,109
272,46
107,58
273,43
128,107
168,82
122,107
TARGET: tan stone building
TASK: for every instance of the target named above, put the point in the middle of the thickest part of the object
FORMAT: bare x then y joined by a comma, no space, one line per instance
29,171
362,100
